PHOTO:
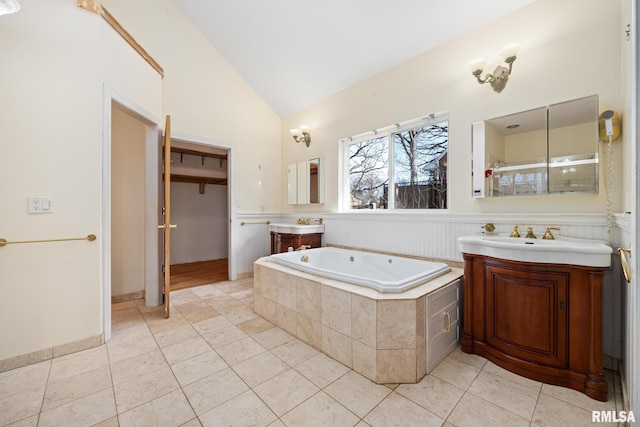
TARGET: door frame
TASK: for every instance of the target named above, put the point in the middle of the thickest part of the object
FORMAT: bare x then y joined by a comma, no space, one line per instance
152,122
231,208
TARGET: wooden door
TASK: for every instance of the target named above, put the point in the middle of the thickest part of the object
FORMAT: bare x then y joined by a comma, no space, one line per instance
166,226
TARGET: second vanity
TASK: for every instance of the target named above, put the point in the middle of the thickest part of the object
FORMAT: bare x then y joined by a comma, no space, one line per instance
534,307
295,236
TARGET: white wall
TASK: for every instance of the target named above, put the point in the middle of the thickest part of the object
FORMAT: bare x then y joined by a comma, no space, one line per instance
202,220
570,49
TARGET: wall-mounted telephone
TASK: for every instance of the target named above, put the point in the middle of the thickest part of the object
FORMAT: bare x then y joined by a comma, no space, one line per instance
609,125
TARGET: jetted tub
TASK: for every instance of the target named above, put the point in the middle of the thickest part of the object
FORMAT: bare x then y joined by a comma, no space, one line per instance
383,273
390,337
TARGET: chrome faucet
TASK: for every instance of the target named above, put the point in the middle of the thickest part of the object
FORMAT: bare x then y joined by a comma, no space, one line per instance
548,235
530,234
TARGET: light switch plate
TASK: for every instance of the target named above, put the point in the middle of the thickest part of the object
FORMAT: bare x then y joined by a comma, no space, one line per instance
42,204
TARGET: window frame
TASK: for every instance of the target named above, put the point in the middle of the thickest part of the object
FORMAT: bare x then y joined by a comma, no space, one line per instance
344,203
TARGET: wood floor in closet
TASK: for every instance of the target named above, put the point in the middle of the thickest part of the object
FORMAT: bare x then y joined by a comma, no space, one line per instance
199,273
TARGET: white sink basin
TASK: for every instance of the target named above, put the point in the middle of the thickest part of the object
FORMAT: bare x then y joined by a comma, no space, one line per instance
297,228
562,250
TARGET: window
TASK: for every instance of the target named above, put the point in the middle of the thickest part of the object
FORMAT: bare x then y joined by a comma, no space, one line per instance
411,160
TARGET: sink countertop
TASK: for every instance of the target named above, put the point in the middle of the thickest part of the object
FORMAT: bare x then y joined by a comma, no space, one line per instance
562,250
297,228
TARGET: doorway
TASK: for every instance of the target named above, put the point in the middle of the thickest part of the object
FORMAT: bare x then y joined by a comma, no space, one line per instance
200,207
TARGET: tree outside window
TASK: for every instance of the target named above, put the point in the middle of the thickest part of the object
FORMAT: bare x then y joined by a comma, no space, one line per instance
417,175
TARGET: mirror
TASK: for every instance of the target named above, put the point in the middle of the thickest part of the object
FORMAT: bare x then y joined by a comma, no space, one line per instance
546,150
305,182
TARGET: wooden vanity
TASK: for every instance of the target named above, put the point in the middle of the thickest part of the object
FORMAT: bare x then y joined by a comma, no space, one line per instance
281,242
541,321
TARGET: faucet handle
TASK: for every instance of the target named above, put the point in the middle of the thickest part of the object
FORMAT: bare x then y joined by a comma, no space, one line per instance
489,227
530,234
515,232
548,235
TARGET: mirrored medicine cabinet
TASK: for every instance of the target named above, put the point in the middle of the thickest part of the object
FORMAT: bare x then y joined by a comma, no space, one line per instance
551,149
305,182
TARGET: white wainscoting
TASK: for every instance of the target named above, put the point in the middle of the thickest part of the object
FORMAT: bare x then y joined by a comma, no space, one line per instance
432,235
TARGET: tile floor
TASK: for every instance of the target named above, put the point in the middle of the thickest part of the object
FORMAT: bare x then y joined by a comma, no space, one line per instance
215,363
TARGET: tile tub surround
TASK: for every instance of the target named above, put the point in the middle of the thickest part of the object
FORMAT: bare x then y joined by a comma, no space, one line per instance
381,336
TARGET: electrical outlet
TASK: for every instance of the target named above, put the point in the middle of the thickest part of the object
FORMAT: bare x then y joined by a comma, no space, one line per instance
40,204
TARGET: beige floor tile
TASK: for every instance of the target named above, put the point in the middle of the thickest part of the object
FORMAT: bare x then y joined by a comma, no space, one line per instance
172,409
397,410
144,388
578,399
192,423
272,338
72,388
501,372
320,410
21,404
469,359
285,391
294,352
221,337
255,326
184,296
143,364
174,336
260,368
32,422
185,350
85,411
207,291
211,325
433,394
512,396
194,316
239,351
277,423
240,314
472,411
357,393
131,348
77,363
157,322
321,370
243,410
456,373
552,412
24,379
211,391
198,367
137,331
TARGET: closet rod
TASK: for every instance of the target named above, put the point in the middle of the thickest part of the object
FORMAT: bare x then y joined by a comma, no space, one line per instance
262,222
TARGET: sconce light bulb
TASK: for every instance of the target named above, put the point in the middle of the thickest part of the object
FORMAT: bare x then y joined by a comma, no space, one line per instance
477,65
510,51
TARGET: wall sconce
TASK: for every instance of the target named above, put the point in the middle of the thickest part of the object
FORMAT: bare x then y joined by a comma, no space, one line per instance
9,6
497,80
301,135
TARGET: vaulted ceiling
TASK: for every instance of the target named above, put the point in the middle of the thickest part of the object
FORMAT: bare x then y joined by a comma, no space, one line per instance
297,52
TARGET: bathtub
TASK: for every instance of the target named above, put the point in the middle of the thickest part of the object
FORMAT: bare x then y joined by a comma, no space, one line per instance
389,337
383,273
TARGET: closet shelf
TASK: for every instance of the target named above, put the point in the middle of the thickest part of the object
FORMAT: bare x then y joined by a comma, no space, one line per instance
200,180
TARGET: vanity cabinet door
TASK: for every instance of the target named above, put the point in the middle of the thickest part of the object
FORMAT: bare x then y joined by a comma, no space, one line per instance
527,314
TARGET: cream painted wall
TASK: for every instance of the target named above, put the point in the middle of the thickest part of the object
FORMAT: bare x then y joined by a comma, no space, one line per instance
58,61
570,49
207,98
127,203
